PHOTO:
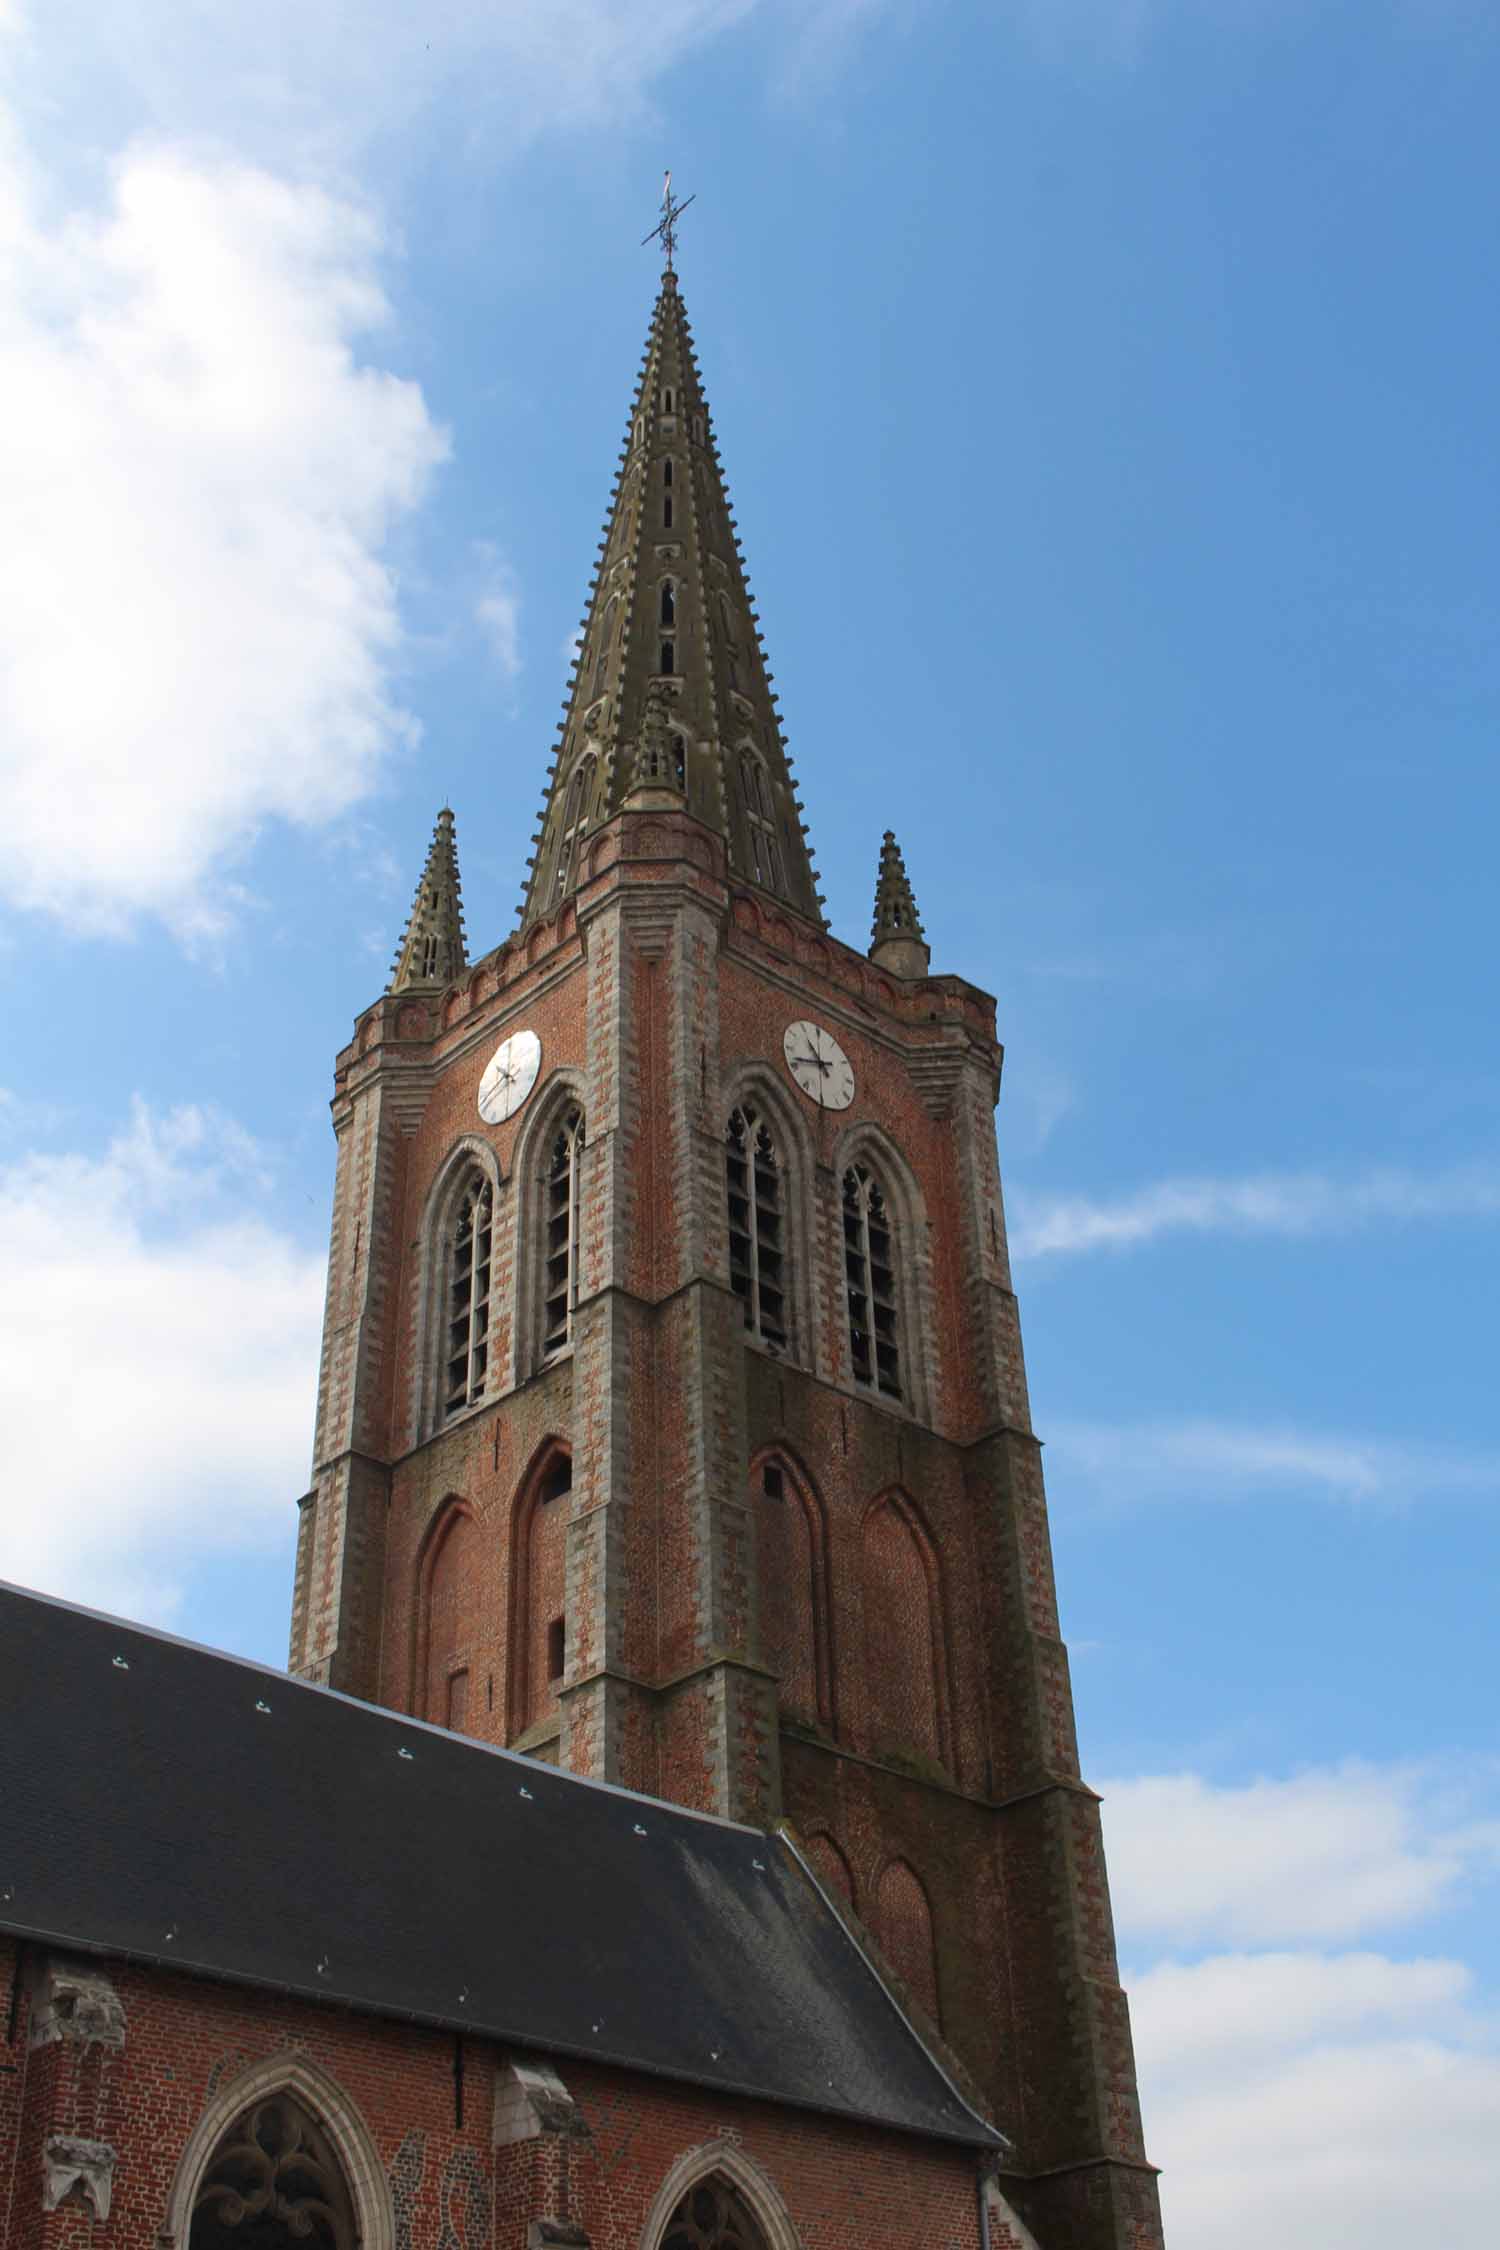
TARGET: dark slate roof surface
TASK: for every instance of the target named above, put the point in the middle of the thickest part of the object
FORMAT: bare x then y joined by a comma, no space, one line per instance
170,1803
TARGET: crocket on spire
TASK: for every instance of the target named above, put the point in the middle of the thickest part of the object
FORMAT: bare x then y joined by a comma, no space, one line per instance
432,951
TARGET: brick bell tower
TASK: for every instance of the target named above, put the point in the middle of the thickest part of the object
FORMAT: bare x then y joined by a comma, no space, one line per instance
672,1421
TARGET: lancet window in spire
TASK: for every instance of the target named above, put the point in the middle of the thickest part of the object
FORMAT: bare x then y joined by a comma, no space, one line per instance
870,1284
668,602
468,1286
760,822
606,638
757,1255
560,1249
575,821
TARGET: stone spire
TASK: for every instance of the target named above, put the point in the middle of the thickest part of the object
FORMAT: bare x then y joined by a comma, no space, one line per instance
670,624
896,940
432,951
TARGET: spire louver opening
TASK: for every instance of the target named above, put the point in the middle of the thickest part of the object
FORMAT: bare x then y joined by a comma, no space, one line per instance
670,690
432,951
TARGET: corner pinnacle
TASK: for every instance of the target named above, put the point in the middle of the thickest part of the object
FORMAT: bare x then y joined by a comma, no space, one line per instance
432,951
896,940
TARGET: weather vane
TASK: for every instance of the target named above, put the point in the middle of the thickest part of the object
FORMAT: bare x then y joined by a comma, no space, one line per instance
666,226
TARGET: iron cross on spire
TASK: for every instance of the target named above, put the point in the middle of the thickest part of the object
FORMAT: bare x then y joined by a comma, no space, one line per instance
666,227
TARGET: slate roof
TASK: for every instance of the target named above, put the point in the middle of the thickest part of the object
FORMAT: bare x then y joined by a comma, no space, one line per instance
175,1805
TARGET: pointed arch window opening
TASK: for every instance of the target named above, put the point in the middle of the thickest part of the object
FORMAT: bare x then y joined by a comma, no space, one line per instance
560,1249
668,604
606,638
760,824
468,1327
666,512
679,761
712,2216
274,2177
575,823
666,471
668,664
430,949
757,1226
666,400
870,1284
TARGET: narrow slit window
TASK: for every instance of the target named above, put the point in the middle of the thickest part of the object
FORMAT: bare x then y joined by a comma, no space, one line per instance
666,512
668,602
557,1648
757,1226
560,1247
468,1292
668,657
870,1284
666,472
679,761
666,400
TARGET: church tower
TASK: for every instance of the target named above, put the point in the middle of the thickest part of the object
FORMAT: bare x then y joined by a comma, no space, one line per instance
672,1421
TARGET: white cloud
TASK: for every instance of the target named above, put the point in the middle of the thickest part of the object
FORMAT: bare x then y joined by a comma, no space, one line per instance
1317,2101
1290,1204
196,478
1129,1465
1326,1856
157,1356
497,612
318,85
1310,2095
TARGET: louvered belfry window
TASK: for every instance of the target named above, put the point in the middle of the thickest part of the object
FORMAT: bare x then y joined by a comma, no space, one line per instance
870,1281
468,1346
757,1254
560,1270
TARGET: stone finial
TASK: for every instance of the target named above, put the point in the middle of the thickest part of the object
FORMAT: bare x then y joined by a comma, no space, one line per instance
660,776
432,951
896,940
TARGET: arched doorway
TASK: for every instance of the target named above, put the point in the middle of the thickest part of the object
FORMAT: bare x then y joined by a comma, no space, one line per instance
712,2215
273,2182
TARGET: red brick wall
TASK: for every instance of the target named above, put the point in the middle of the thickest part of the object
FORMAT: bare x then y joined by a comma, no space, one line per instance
845,2186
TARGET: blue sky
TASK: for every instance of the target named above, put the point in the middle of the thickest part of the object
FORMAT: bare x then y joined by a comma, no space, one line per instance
1106,391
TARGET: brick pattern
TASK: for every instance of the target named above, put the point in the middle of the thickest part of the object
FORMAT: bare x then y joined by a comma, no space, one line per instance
877,1655
474,2147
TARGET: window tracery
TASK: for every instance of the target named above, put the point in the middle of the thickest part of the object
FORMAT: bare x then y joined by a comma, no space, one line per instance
273,2182
466,1355
560,1249
757,1253
712,2216
870,1284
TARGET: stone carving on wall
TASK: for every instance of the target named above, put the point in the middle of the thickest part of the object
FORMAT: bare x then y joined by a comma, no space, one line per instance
87,2166
77,2004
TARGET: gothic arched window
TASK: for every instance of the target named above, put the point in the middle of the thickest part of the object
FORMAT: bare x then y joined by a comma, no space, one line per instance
870,1284
668,602
274,2183
574,822
757,1253
679,761
606,636
760,821
712,2216
467,1324
560,1248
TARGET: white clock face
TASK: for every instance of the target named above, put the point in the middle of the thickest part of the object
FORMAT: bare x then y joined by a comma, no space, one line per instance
819,1065
509,1077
